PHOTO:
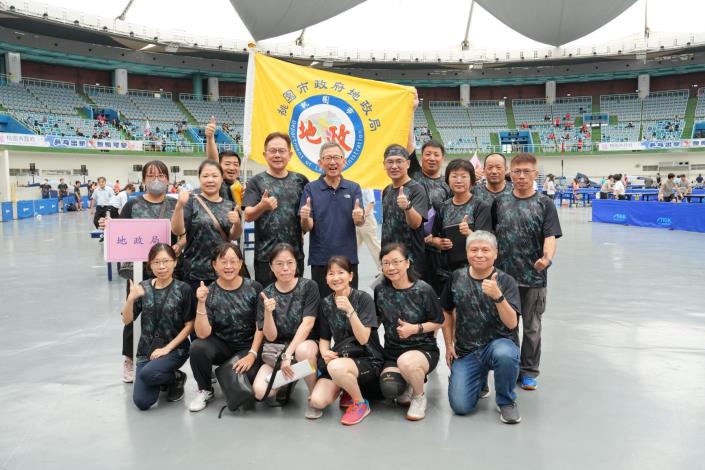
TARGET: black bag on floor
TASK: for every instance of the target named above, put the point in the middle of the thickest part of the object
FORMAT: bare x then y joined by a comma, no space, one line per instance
236,387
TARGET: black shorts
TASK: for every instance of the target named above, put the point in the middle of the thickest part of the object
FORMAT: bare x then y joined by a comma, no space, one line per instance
391,356
367,371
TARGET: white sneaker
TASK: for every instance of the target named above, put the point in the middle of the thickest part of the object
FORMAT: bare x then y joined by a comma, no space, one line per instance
405,398
417,408
313,413
128,370
201,400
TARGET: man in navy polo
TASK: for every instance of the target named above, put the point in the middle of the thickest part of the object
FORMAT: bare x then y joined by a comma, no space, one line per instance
331,207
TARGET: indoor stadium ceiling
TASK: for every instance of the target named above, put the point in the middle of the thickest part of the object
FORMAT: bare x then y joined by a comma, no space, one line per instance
553,22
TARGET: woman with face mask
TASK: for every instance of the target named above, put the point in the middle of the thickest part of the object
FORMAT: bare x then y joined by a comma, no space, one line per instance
153,204
207,220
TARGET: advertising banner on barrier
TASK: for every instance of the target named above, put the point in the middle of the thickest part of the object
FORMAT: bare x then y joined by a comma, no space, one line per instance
25,140
53,141
651,145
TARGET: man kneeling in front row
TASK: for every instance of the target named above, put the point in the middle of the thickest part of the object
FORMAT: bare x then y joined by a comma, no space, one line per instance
481,304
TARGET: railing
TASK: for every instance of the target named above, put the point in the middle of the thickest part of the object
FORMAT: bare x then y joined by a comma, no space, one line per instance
95,89
158,94
233,99
192,97
48,83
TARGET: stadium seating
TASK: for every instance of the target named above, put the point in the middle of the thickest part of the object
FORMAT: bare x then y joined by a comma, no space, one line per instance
57,99
621,132
487,114
664,129
449,114
626,107
665,105
532,111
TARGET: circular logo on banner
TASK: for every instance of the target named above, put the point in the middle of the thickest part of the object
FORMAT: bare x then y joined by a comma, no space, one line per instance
325,118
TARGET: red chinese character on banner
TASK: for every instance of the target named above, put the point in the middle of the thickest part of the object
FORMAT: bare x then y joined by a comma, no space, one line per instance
339,135
308,132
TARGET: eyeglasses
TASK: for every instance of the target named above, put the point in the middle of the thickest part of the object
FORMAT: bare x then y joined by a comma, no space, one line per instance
395,162
281,264
522,171
396,263
281,151
328,158
229,262
159,176
162,262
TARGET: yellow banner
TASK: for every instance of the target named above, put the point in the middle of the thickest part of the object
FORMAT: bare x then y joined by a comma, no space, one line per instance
314,106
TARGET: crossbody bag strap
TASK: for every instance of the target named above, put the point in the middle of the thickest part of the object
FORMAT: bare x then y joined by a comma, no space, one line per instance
213,219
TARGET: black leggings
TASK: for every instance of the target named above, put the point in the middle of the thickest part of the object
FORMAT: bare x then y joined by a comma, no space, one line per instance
100,212
205,353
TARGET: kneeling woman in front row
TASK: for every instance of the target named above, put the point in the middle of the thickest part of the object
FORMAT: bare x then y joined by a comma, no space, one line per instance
410,312
348,317
166,306
225,323
286,313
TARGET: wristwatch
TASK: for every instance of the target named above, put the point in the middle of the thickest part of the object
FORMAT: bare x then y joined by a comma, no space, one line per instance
409,207
286,357
499,300
350,314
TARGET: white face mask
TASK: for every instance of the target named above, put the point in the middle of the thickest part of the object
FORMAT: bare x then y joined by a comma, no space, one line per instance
156,188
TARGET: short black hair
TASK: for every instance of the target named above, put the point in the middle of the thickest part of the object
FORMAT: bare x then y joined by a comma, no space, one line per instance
462,165
435,144
504,157
229,153
396,150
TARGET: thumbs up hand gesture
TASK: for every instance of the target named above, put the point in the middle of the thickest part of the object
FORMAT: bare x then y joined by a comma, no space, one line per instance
202,292
269,304
464,228
402,200
305,211
210,128
183,198
358,213
269,202
490,287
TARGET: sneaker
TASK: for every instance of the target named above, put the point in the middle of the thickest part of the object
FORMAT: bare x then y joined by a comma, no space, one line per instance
485,392
528,383
405,398
128,370
356,413
509,413
201,400
176,389
313,413
345,400
417,408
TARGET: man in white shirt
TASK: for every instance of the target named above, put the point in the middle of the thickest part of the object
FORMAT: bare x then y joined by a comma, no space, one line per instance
120,199
100,201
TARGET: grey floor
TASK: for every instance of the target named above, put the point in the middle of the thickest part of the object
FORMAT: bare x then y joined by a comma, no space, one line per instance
623,382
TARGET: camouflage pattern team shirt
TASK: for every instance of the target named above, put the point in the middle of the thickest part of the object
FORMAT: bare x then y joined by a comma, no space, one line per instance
283,224
202,236
232,314
477,321
164,313
302,301
334,324
481,192
394,227
416,304
521,226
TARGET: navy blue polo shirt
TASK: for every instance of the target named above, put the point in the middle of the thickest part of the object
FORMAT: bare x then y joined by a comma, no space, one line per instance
333,231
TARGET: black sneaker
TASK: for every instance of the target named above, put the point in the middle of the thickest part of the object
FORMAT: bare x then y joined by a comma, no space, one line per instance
176,389
509,413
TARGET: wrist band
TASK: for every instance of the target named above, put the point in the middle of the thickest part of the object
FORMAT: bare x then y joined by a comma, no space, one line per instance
252,351
201,312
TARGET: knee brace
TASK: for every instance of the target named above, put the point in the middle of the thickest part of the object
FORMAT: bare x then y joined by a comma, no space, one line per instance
391,384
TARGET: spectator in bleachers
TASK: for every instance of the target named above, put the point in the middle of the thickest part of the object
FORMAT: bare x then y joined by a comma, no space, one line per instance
546,118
